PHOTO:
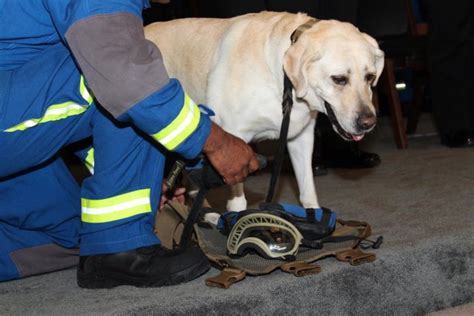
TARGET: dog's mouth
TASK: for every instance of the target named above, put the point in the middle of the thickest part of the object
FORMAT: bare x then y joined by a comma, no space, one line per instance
335,123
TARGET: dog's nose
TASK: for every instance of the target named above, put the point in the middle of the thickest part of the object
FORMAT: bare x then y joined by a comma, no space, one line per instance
366,120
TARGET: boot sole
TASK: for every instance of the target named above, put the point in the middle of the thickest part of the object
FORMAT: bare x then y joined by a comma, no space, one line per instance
111,280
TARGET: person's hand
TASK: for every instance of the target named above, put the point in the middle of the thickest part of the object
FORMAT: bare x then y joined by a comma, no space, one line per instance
178,195
230,155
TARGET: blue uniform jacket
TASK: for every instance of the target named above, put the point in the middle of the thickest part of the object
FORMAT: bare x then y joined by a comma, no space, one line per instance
124,71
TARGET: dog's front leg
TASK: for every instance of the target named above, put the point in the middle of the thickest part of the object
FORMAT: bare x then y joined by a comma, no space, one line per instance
237,202
301,151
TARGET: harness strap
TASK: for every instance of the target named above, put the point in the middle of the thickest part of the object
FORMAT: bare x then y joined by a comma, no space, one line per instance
287,105
366,232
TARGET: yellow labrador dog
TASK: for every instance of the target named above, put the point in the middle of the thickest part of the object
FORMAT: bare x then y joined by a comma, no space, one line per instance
236,66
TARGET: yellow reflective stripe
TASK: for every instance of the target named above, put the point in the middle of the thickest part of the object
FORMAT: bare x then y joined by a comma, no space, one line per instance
84,92
186,132
53,113
89,161
57,112
181,127
105,218
117,207
116,200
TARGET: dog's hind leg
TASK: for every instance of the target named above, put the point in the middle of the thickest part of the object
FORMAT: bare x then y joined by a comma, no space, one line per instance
237,202
300,149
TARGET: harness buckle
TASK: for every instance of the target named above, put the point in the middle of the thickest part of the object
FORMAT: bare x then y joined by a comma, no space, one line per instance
355,256
300,268
226,278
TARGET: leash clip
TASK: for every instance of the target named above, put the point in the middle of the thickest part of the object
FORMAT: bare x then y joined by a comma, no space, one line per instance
367,243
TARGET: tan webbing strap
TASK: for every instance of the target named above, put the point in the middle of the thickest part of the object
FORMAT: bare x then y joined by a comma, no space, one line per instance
366,232
169,223
355,256
303,27
226,278
300,268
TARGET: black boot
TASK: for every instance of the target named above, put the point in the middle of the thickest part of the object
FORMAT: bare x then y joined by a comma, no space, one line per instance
143,267
320,167
352,158
330,150
462,138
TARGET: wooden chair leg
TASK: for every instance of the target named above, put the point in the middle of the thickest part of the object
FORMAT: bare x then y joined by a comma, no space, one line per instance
394,104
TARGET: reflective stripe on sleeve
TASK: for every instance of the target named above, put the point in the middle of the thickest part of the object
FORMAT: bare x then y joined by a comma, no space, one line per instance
181,127
117,207
58,112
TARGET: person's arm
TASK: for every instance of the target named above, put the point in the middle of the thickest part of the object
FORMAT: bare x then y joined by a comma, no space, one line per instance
127,76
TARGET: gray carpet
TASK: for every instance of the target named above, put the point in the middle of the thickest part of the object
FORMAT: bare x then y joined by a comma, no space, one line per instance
420,199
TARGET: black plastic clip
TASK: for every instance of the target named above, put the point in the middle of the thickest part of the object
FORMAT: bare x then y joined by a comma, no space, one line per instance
367,243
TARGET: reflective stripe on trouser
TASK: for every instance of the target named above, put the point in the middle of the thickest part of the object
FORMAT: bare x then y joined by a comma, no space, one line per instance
116,207
86,155
123,161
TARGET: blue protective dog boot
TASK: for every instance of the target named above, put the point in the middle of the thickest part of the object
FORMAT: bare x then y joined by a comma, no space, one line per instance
151,266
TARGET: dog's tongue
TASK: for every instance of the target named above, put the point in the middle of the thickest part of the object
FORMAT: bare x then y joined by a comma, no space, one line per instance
357,137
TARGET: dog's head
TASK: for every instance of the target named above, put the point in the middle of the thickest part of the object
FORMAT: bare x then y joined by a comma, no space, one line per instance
333,67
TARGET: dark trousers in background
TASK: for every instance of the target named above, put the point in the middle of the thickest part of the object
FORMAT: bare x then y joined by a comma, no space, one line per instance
451,59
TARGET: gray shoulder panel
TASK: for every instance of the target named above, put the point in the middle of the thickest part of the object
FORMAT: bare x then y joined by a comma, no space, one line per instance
121,67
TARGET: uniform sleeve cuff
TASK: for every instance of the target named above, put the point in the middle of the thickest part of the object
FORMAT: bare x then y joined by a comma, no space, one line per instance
171,118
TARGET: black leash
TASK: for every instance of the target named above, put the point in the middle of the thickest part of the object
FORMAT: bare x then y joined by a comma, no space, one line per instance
285,125
193,215
287,105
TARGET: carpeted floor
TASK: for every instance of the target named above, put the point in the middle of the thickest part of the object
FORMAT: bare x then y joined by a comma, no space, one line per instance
420,199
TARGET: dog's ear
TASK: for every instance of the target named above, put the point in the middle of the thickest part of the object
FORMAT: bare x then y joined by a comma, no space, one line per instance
293,65
379,56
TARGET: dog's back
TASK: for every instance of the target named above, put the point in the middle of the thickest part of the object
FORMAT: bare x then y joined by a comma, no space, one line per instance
191,47
188,46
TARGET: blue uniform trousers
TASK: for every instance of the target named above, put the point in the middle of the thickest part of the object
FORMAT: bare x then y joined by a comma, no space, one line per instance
43,107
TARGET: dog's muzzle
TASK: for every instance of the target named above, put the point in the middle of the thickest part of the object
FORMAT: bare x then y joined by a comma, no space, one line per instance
364,122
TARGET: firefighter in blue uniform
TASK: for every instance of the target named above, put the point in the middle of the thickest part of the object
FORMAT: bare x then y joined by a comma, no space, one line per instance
75,69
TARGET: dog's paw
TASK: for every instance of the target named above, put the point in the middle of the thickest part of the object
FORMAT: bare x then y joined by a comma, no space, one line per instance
237,204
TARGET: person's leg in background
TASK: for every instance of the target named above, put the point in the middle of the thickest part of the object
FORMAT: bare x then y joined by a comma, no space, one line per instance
451,59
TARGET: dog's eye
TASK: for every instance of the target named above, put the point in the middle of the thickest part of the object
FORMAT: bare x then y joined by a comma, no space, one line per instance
370,78
339,80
